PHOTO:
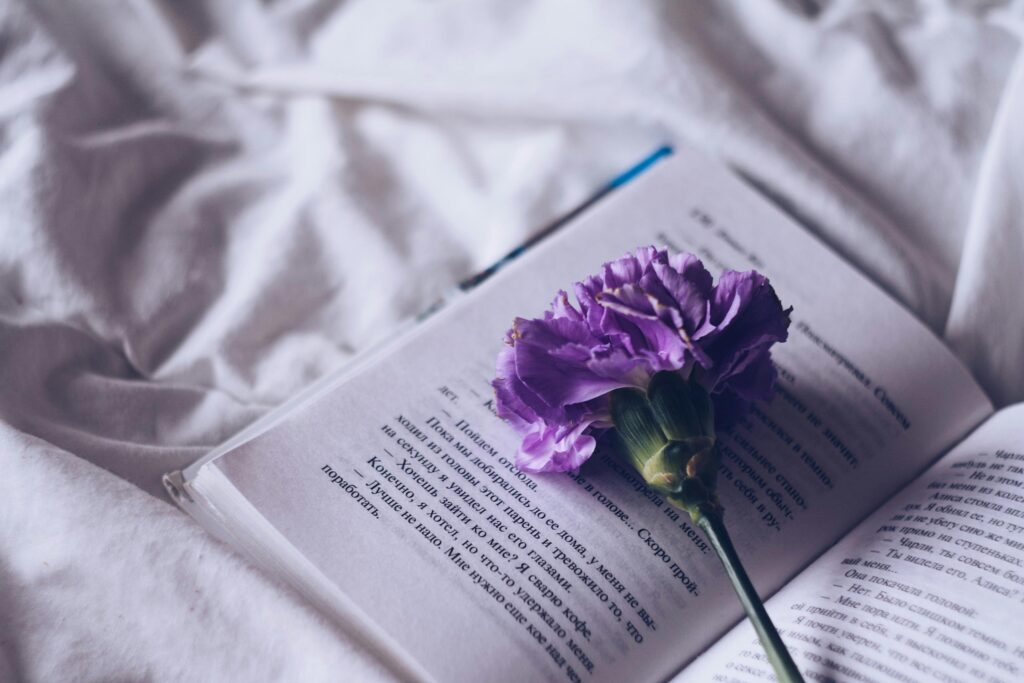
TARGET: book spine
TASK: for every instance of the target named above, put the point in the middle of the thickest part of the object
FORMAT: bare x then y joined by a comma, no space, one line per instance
174,484
195,505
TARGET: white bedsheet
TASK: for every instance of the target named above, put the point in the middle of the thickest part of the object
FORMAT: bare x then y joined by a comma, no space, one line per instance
206,204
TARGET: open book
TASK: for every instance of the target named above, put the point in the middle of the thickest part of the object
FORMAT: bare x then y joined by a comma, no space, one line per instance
879,498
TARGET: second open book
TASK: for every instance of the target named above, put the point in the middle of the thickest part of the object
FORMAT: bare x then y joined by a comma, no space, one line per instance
388,494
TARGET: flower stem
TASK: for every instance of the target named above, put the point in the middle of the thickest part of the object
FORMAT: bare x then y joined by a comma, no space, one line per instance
709,518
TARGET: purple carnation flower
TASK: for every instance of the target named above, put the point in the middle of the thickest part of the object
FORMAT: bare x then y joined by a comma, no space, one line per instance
644,313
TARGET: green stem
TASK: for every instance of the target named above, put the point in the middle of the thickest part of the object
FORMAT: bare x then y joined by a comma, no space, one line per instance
709,519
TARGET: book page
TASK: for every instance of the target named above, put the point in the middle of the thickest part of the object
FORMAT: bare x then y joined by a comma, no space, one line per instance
399,485
929,588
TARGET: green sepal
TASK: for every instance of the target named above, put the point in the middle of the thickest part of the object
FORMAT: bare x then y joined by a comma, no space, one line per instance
666,470
636,426
682,408
667,434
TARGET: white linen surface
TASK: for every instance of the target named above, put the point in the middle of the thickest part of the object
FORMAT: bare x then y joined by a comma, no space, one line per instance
208,203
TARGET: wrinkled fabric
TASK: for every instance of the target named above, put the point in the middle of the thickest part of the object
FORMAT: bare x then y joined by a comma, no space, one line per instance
208,204
986,324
